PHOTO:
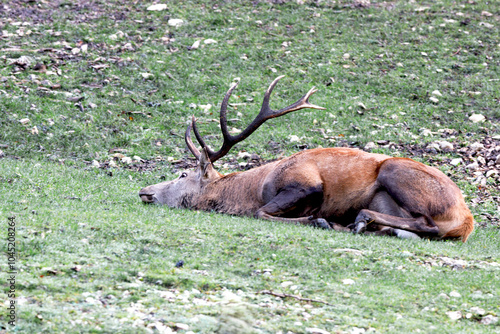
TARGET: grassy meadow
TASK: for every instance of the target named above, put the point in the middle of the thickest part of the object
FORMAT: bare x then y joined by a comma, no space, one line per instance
95,97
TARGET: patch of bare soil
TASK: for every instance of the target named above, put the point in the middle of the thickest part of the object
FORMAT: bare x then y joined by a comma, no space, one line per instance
43,11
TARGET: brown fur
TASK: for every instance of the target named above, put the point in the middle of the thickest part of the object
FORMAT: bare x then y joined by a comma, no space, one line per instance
336,184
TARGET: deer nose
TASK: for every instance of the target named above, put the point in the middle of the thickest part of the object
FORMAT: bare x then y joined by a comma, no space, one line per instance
146,197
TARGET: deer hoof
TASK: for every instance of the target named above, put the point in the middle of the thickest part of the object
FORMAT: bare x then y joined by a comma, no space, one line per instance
359,227
321,223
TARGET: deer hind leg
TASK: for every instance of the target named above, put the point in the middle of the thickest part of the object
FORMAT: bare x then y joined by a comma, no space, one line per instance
385,215
296,199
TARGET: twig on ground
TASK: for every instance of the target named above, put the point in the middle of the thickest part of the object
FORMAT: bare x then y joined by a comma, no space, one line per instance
285,295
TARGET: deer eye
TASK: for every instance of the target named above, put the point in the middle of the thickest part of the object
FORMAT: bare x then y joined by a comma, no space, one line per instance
183,175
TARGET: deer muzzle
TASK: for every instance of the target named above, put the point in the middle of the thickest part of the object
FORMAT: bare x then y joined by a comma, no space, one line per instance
147,197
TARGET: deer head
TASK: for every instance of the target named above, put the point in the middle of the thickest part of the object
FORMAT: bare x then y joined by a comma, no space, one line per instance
183,191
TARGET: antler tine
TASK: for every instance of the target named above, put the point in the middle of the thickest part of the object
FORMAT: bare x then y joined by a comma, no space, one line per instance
265,113
223,124
197,134
223,112
189,142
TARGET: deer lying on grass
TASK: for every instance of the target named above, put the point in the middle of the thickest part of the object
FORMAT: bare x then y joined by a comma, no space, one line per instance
333,188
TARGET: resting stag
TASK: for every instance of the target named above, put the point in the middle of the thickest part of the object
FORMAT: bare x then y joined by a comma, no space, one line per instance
336,188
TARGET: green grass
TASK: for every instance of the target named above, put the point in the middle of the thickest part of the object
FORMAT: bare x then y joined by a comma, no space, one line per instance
93,259
126,253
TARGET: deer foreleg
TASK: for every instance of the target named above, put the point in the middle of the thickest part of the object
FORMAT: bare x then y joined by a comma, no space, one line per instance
295,199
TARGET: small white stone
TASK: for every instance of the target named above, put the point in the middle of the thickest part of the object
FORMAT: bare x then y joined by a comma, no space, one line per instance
158,7
210,41
489,319
24,121
426,132
476,118
205,107
487,25
370,145
184,327
491,172
195,45
434,99
286,284
244,155
316,331
444,145
437,93
175,22
454,315
347,281
456,162
477,310
455,294
434,146
476,146
472,166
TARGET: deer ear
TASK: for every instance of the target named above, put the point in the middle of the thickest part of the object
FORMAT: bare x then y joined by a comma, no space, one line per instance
206,168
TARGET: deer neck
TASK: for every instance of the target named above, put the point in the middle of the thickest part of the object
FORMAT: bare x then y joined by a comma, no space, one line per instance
237,193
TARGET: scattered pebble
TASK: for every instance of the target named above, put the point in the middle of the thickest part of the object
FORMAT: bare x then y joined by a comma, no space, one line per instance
370,146
316,331
157,7
196,45
147,75
477,310
472,166
454,315
175,22
489,319
446,146
476,118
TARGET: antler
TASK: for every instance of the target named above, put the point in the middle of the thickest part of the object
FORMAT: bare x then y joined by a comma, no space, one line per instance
265,113
189,142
